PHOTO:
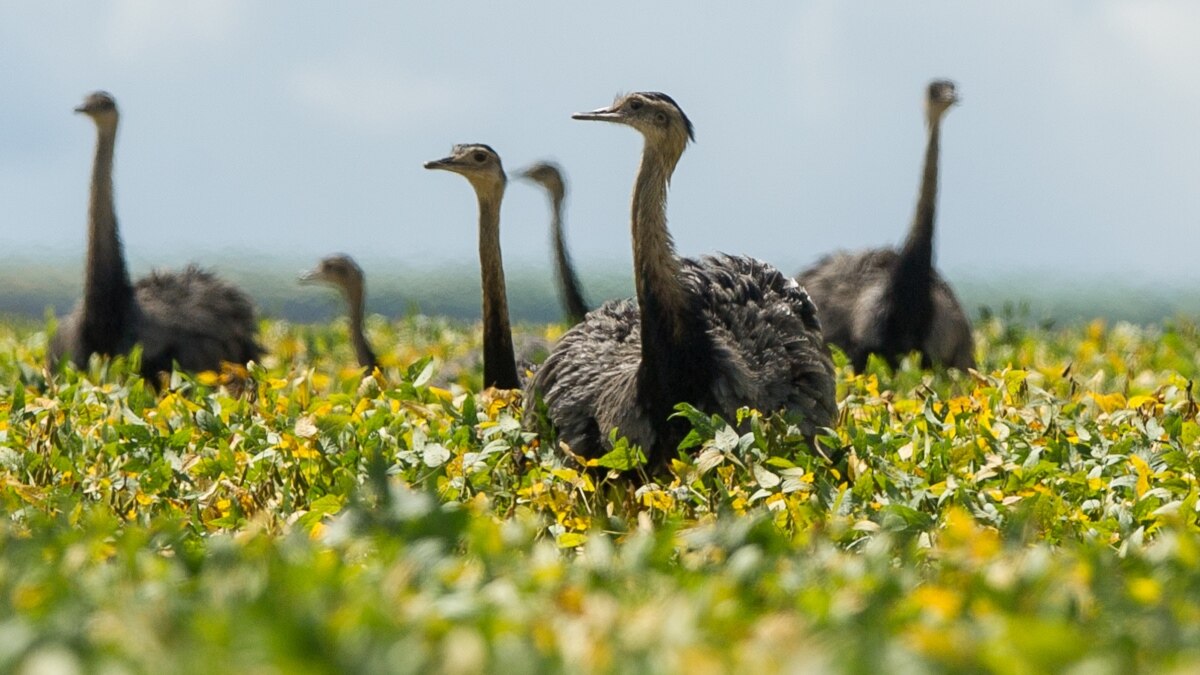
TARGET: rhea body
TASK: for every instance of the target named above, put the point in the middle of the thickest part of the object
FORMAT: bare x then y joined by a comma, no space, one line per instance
893,302
341,272
190,318
718,332
481,166
570,291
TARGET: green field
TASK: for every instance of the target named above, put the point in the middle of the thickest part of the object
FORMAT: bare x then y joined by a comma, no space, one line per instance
1037,516
398,288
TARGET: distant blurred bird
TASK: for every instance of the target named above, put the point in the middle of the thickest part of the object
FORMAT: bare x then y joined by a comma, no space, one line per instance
341,272
481,166
890,302
191,318
717,332
550,177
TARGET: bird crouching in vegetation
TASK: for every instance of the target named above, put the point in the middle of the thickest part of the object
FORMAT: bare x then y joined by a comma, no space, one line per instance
719,332
481,166
341,272
570,293
191,318
890,302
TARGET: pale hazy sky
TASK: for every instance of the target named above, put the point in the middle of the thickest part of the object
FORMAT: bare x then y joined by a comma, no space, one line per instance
292,129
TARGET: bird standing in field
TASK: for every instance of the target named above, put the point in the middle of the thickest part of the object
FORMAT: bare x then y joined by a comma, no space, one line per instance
190,318
717,332
890,302
481,166
341,272
570,293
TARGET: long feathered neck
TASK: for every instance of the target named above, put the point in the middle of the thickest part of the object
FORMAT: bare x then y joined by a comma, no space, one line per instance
676,348
918,247
568,283
660,291
107,293
356,298
499,364
912,279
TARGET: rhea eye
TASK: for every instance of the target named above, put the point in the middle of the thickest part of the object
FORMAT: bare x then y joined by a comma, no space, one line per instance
480,157
635,104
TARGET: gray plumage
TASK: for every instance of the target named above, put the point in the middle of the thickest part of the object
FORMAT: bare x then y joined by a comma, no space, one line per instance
718,332
892,302
850,290
341,272
191,318
570,291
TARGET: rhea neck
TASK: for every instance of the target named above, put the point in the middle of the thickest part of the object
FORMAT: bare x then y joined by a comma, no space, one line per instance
107,293
675,345
912,279
499,364
568,282
660,292
356,298
918,247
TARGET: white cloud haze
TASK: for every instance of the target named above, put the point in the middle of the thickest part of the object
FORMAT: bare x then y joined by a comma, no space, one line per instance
297,129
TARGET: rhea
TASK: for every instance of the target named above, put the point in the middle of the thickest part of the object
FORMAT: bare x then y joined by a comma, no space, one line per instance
570,292
893,302
481,166
718,332
190,318
341,272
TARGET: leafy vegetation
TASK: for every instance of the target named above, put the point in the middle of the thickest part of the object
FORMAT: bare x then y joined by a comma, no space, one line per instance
1040,515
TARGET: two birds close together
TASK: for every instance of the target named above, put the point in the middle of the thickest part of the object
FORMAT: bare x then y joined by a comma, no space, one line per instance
718,332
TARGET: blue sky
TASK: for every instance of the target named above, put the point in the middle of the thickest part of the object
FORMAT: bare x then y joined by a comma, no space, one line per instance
294,129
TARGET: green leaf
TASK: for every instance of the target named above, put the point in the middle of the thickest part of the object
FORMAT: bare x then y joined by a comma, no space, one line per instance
623,457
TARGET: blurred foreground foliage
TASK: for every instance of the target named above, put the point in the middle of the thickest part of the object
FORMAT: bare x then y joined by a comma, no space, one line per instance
1039,515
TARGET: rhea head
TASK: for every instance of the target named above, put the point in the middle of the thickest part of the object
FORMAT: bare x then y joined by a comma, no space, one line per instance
548,175
338,270
657,116
101,107
478,163
941,95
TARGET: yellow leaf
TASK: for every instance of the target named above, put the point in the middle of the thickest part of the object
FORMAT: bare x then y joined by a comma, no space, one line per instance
941,601
570,539
1108,402
1139,401
1144,473
658,499
568,475
1145,590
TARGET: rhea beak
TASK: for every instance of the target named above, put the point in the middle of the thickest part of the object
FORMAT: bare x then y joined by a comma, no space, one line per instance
309,277
445,163
599,114
81,108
